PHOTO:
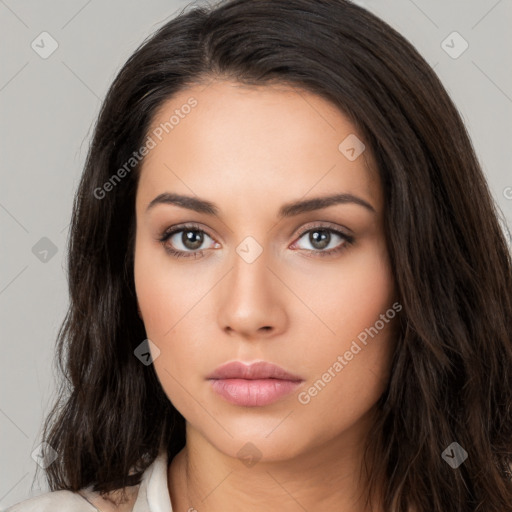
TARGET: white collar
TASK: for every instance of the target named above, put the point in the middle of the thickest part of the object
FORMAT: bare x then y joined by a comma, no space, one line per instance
153,495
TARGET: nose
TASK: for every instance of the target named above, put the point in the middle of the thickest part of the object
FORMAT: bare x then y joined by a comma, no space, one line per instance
251,301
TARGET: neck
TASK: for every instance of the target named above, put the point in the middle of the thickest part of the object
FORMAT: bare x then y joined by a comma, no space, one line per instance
327,477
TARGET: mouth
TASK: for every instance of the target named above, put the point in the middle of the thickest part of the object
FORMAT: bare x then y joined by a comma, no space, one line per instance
254,385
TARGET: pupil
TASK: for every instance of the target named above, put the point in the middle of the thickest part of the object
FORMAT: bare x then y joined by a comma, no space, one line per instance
189,242
320,238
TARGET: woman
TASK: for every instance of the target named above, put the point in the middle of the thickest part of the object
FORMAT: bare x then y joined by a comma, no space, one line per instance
289,288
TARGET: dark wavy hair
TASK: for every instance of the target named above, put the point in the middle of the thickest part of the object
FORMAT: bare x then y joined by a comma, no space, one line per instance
451,377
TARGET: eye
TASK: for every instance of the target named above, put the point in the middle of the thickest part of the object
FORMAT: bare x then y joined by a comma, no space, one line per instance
184,241
325,241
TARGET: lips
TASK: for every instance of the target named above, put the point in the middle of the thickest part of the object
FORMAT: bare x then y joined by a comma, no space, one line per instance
253,385
259,370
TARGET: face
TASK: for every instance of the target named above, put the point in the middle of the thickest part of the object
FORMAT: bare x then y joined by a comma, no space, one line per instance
247,277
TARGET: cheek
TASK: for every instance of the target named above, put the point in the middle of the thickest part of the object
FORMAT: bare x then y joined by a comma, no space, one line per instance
165,292
170,298
348,298
165,297
355,335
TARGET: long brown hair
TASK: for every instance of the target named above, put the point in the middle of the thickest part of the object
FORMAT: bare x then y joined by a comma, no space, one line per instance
451,378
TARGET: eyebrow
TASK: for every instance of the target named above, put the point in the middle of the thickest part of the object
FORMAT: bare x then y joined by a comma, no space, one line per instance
287,210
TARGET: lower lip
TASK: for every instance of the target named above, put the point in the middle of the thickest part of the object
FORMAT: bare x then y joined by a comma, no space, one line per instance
253,393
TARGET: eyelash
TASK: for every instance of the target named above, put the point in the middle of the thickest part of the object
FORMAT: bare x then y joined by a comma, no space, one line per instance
168,233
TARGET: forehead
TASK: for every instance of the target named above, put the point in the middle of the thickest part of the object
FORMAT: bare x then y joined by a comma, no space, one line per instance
231,139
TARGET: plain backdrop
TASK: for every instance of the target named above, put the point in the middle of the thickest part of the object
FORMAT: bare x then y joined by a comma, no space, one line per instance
49,105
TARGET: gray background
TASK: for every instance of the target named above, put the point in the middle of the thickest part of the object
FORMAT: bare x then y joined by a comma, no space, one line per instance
48,107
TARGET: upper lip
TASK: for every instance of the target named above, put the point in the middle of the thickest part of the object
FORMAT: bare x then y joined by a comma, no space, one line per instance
258,370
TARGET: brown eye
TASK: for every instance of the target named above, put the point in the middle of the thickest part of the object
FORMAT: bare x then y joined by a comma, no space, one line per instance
325,241
192,239
184,241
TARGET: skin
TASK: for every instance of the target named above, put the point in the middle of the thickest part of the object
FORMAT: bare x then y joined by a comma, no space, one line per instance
250,150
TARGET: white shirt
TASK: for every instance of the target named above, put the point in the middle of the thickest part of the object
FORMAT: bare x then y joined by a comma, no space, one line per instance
152,496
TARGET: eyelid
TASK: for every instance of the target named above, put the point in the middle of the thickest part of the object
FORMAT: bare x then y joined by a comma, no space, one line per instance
304,229
320,224
192,226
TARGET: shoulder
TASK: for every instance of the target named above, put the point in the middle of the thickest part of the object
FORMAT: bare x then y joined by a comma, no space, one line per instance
82,501
152,489
65,501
